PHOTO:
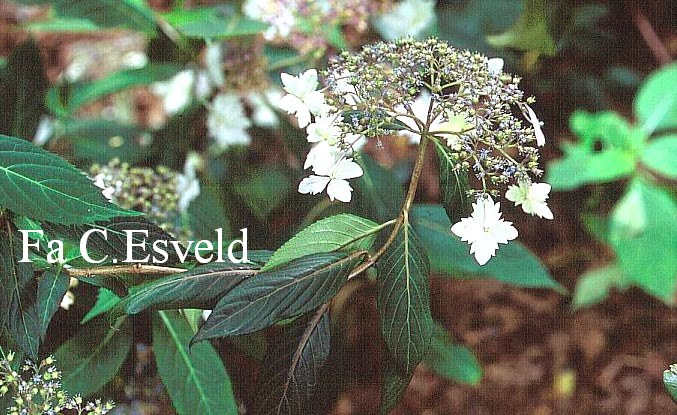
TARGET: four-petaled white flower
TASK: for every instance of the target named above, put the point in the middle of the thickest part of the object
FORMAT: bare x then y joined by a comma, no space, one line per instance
302,99
531,197
536,123
324,129
176,92
484,230
227,122
334,177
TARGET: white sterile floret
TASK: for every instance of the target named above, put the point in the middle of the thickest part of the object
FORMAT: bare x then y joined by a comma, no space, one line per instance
214,63
324,129
187,183
484,230
334,177
407,18
322,154
531,197
419,108
536,123
263,113
302,99
177,92
495,66
227,122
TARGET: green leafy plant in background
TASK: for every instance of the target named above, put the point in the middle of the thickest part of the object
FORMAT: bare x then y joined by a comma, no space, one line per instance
641,227
382,237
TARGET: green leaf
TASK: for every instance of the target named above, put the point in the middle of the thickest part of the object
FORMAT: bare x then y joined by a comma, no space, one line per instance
344,232
22,86
205,213
130,14
395,382
99,141
463,24
196,379
43,186
513,263
530,31
670,381
86,92
453,185
378,194
642,232
656,102
594,286
212,23
403,299
17,296
200,287
117,243
292,367
263,191
94,355
451,360
61,25
287,291
52,286
661,155
106,300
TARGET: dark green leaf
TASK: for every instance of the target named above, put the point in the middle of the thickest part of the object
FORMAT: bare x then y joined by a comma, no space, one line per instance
200,287
656,102
94,355
292,367
52,286
395,382
453,185
205,214
451,360
106,300
513,264
287,291
404,299
344,232
130,14
196,379
22,86
378,194
86,92
99,141
117,242
264,190
43,186
17,296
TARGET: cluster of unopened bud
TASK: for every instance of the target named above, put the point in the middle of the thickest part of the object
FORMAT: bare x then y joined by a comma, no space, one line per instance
36,390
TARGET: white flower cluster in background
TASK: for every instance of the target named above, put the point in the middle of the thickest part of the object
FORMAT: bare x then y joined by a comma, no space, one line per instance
331,156
407,18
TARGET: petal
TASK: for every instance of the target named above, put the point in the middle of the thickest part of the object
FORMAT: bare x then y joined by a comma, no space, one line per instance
313,184
339,190
539,191
347,169
495,66
308,81
533,119
503,232
291,104
290,84
484,249
513,194
314,100
543,211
